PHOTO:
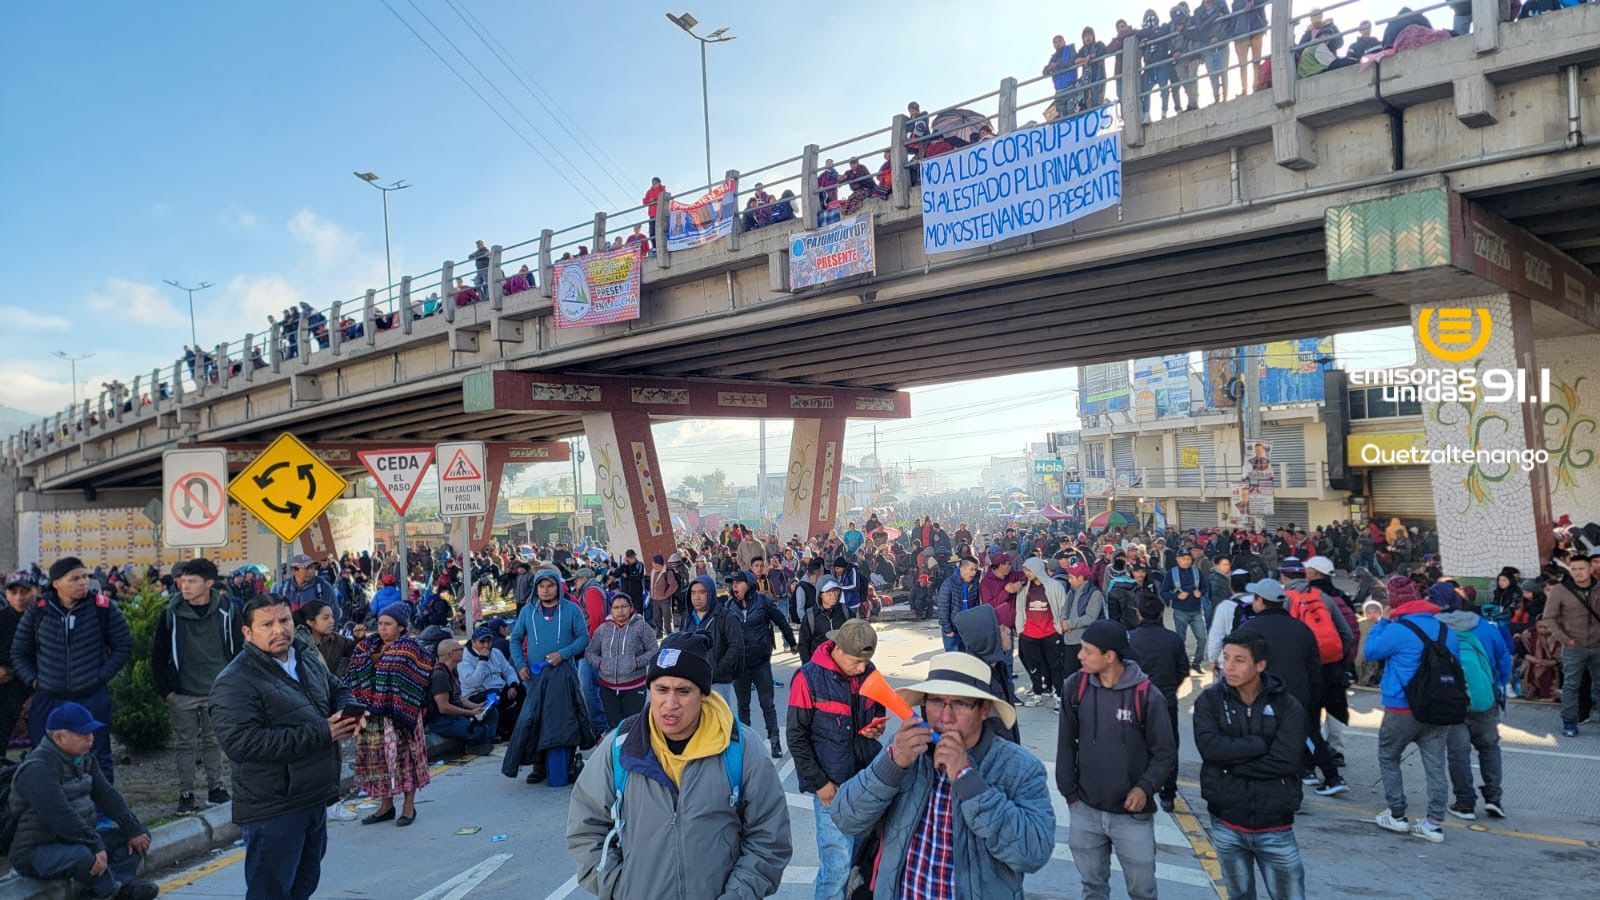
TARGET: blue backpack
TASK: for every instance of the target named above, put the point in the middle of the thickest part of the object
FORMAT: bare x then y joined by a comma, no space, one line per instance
732,765
1479,672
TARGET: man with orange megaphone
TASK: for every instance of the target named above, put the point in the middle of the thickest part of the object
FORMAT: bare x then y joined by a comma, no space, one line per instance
968,816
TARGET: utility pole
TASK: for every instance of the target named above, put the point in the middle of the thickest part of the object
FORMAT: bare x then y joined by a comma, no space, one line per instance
761,477
73,362
193,340
388,268
687,22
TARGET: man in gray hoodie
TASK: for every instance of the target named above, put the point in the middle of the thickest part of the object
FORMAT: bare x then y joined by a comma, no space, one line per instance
1114,751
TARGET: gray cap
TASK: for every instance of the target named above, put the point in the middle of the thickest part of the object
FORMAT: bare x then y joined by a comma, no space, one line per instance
1267,589
300,559
828,584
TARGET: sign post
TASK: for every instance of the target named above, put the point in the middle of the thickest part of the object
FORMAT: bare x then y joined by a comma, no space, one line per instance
463,492
194,500
398,474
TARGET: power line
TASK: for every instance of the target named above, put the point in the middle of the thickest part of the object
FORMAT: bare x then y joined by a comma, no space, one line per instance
485,101
502,95
499,51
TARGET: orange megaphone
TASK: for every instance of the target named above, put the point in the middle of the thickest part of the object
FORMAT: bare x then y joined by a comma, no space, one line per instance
876,688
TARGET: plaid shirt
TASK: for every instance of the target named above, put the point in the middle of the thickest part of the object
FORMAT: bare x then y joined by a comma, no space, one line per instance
930,869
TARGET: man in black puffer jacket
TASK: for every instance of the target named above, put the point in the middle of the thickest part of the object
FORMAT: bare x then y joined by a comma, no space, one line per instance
1250,732
276,709
68,648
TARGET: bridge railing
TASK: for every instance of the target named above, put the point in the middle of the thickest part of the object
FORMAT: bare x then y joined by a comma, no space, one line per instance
396,307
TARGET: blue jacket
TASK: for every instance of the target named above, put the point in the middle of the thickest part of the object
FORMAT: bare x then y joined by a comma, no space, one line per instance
64,654
954,596
384,597
1190,580
1401,652
1004,822
1060,68
535,637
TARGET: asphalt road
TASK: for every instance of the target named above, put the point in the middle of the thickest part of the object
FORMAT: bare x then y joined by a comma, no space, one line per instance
1549,847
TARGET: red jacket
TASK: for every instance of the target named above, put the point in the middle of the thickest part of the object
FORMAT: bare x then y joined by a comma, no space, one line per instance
592,598
650,196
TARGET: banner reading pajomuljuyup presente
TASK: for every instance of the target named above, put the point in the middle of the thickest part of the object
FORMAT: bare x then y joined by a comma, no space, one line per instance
1021,182
704,220
597,289
838,251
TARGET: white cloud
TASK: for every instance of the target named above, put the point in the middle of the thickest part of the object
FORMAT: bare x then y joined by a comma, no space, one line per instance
237,217
28,320
251,298
328,242
132,301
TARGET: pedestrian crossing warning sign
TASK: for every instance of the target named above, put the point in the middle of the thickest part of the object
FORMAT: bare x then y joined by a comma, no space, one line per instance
460,468
463,491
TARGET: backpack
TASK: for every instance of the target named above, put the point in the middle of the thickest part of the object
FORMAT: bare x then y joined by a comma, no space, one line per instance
1479,672
1437,692
1309,608
732,766
1121,603
1141,696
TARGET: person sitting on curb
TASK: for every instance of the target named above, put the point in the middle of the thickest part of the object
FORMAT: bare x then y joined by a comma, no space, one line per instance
58,794
450,716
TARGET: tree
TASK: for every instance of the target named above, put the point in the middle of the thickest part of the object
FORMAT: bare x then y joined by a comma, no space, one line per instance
712,485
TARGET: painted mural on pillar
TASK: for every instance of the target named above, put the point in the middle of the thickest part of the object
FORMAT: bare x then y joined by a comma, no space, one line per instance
610,483
1485,509
825,502
1571,420
647,486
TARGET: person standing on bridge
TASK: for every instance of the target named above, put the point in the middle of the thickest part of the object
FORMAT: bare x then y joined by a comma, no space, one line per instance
68,648
196,636
651,198
480,259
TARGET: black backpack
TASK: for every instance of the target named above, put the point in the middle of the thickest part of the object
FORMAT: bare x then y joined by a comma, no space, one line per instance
1437,693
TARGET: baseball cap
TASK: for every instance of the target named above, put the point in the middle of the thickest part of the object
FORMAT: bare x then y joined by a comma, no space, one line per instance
73,717
299,561
1268,589
1321,564
1080,570
828,584
20,579
856,638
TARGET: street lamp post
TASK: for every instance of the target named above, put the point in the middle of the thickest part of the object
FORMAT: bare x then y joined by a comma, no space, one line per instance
687,22
195,341
73,362
388,269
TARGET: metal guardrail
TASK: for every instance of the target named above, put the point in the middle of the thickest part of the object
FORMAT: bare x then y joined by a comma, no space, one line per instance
311,332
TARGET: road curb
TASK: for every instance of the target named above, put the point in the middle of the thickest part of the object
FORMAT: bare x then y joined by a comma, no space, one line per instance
171,845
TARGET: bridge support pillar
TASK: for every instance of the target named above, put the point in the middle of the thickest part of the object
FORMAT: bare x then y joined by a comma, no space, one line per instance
1492,301
811,491
629,481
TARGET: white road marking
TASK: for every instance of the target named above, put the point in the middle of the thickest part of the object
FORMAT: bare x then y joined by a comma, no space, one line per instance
462,884
1504,747
1164,871
800,875
788,768
1168,834
561,892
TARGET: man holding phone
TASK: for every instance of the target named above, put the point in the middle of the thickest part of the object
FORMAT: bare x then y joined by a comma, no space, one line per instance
833,734
277,710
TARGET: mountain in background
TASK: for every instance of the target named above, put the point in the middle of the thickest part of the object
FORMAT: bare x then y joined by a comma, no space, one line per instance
13,419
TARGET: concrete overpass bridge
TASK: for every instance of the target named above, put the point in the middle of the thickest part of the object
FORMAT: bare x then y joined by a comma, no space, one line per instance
1221,238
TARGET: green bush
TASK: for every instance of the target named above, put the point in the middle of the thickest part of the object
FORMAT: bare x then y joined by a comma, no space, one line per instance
140,718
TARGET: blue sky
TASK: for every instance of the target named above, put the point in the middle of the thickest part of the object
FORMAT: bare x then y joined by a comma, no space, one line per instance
216,141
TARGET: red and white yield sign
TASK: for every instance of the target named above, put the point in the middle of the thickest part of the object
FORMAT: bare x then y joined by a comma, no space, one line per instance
194,498
398,472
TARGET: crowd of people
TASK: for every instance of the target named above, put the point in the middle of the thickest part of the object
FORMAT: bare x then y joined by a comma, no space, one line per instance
623,673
